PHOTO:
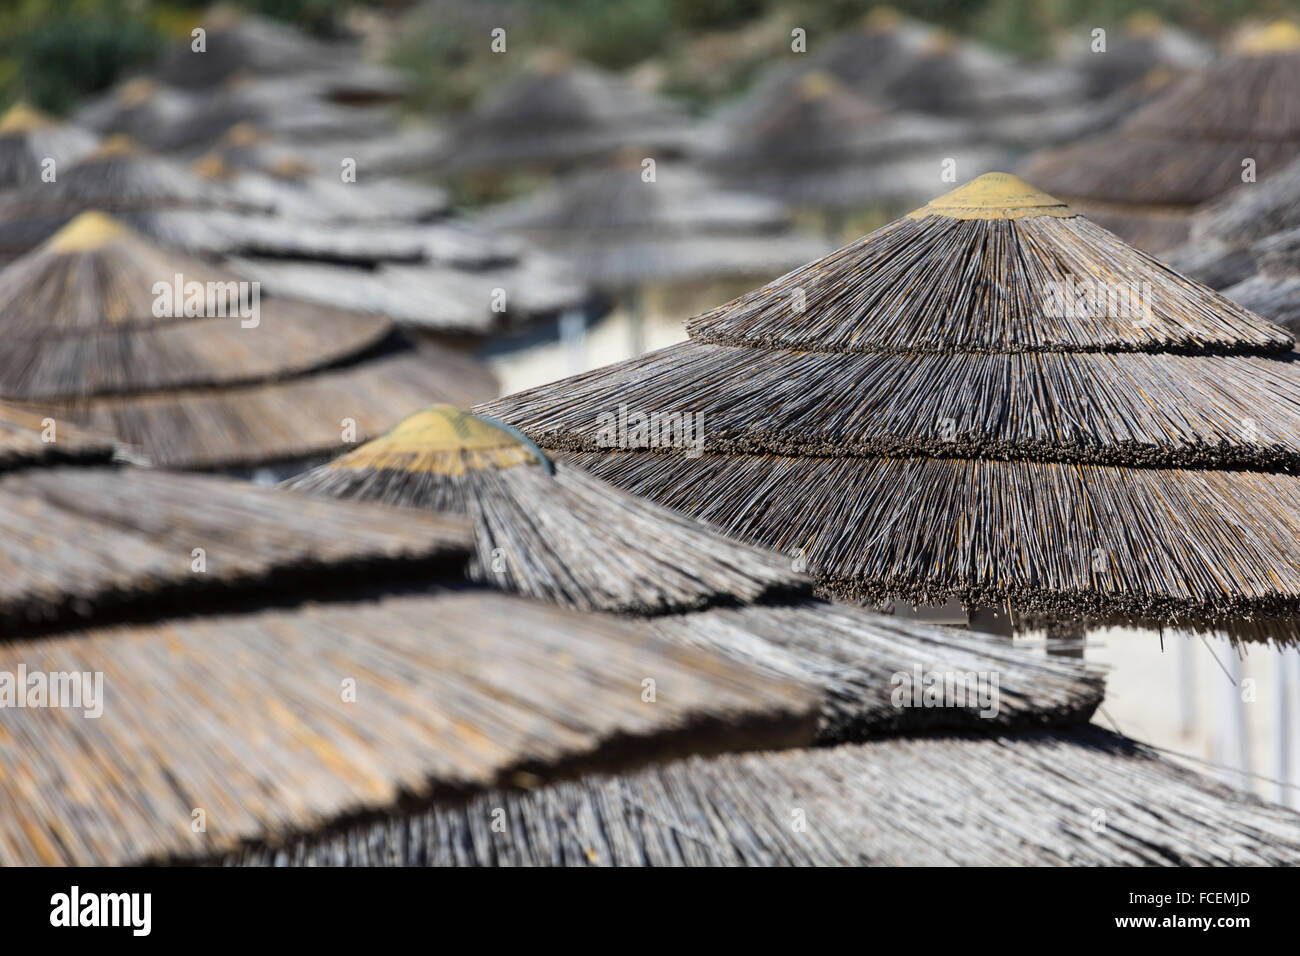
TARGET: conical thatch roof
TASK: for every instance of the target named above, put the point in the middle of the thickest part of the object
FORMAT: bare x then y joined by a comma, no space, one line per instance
560,115
923,418
1143,42
618,230
869,58
118,177
28,138
811,141
551,532
1186,146
974,801
87,342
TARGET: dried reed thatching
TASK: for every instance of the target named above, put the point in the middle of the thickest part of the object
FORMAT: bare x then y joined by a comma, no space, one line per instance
550,533
29,138
1186,146
559,115
204,390
1143,43
79,317
242,716
807,139
572,540
117,177
869,58
1039,457
432,297
619,231
999,801
82,543
27,439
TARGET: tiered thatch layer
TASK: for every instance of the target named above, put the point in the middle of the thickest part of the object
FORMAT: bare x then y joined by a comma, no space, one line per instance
222,386
936,341
1188,145
570,539
247,718
1084,799
26,438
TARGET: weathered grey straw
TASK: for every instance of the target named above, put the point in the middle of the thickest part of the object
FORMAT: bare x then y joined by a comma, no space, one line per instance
570,539
246,718
559,115
1143,43
1187,146
27,438
29,140
911,414
81,543
619,230
1080,799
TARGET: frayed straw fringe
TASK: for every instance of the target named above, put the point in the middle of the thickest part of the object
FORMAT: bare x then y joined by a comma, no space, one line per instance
854,657
244,716
1109,408
80,541
1018,801
939,284
572,540
1178,548
22,441
297,418
290,338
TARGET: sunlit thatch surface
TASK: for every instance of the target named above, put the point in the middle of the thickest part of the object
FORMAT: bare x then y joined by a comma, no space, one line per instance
619,230
559,115
220,386
246,716
1188,145
958,400
79,543
1079,799
26,438
28,138
573,540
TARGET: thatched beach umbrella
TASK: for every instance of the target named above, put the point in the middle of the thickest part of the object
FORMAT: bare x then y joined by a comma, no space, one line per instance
991,400
560,115
1051,799
105,327
1188,145
29,140
621,232
814,143
1144,42
27,437
549,531
868,58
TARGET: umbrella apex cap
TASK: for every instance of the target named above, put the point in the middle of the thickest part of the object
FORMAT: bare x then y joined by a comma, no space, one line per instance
23,118
994,196
87,232
442,439
1281,36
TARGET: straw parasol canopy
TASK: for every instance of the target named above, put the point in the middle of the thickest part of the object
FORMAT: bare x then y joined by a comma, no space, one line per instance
118,177
549,531
1188,145
26,439
243,716
561,114
972,801
621,232
87,339
967,405
812,142
1143,43
870,58
28,138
